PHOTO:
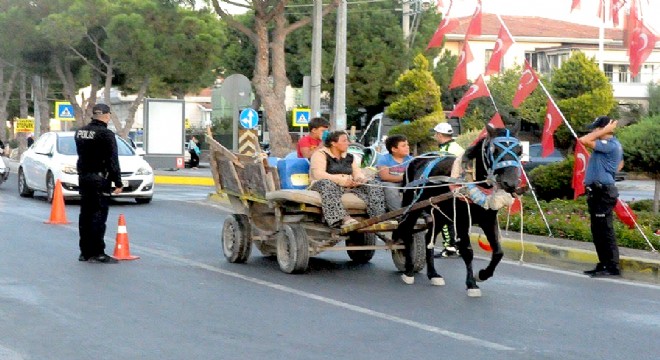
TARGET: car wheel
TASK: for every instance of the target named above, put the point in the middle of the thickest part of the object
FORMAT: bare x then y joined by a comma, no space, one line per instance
23,189
50,186
143,200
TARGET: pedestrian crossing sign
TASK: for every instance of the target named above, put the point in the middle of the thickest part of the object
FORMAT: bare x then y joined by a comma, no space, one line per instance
301,116
64,111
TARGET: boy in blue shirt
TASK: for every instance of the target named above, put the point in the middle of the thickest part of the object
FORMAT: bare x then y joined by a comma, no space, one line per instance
392,168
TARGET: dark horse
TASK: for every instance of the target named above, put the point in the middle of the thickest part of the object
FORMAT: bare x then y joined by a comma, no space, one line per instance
497,160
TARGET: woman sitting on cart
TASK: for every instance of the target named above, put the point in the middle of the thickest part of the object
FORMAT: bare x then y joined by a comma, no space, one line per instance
333,172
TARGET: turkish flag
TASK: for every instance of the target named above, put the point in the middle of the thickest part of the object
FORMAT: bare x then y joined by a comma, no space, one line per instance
579,169
502,44
445,26
476,90
630,25
575,5
528,82
615,7
495,121
516,206
460,73
553,119
474,29
625,213
641,46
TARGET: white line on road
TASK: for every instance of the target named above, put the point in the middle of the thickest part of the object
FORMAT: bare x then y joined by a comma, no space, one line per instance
329,301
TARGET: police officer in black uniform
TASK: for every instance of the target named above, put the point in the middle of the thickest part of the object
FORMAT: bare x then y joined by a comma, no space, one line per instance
98,168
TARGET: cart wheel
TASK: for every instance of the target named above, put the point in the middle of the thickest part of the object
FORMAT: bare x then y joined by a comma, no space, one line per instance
419,254
267,248
361,256
292,249
236,238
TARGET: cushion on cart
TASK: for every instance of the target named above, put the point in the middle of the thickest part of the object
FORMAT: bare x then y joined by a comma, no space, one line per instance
350,200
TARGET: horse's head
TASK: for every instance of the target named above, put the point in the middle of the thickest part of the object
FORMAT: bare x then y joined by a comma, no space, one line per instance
501,152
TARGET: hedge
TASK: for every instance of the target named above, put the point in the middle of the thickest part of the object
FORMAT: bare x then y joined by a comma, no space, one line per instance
569,219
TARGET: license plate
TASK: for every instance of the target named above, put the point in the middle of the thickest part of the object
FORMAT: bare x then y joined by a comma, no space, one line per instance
124,183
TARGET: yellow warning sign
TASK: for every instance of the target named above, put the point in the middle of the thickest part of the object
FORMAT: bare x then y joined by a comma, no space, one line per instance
24,125
187,123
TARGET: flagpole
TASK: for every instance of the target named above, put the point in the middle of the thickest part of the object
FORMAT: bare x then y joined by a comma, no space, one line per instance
547,93
505,28
601,37
490,95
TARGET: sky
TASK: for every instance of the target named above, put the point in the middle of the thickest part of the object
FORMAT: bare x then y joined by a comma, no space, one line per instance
556,9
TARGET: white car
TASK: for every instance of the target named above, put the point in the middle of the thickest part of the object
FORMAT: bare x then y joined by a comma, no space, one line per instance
53,157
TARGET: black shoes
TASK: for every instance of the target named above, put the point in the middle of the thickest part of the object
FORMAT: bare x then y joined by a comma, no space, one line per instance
82,258
103,259
603,271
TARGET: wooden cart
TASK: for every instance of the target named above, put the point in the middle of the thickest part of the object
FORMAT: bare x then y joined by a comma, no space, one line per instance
288,223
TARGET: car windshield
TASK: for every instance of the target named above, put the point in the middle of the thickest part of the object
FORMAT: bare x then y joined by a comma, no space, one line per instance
66,145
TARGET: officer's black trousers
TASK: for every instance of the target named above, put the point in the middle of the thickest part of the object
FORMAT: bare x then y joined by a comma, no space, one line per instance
601,201
93,214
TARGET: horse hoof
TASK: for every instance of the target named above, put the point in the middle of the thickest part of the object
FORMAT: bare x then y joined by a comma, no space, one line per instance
474,292
437,281
408,280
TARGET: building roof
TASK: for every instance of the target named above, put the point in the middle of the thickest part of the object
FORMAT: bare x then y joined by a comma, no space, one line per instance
535,27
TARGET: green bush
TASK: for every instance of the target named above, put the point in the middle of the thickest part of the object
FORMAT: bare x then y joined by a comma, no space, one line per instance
553,181
419,132
569,219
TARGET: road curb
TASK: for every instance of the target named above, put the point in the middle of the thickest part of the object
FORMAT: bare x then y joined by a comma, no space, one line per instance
567,258
183,180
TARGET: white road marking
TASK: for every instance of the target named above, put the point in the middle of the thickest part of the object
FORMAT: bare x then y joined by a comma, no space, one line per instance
329,301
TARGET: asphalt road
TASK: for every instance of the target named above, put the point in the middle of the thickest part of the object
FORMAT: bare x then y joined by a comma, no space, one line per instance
182,300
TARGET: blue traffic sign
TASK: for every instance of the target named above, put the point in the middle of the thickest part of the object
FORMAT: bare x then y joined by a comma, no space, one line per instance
64,111
301,117
248,118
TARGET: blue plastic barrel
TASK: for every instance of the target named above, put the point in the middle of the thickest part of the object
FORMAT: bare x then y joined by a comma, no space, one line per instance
294,173
272,161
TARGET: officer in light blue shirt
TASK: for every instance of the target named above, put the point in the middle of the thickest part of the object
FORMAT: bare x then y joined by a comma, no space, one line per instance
602,195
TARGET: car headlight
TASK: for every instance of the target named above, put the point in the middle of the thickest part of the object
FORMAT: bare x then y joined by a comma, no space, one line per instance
144,171
68,169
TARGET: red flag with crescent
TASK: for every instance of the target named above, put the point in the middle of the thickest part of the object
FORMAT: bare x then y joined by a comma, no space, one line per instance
476,90
579,169
446,25
502,44
474,29
552,121
495,121
625,213
460,74
641,46
575,5
615,7
528,82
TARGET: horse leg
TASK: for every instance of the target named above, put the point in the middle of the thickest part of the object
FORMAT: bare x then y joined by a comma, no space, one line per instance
431,234
467,254
492,234
404,233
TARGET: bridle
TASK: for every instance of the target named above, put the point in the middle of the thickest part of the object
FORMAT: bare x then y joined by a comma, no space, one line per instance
507,144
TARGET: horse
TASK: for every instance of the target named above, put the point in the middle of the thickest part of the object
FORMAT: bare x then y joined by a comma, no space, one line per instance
496,167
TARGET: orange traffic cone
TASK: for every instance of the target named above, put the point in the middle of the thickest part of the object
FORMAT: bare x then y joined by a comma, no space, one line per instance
57,212
122,250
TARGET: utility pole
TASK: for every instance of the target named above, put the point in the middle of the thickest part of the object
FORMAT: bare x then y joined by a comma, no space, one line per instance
340,69
405,21
315,87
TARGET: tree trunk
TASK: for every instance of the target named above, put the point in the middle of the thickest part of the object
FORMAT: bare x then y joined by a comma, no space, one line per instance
656,196
81,111
6,89
134,106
